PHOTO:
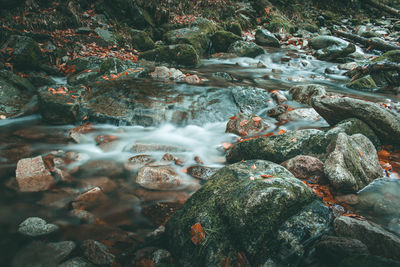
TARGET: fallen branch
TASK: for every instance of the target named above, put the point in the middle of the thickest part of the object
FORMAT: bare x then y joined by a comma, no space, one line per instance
383,7
378,45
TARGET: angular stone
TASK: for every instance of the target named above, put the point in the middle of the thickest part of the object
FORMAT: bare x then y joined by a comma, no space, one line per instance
32,175
266,38
304,93
89,199
245,49
379,241
97,253
307,168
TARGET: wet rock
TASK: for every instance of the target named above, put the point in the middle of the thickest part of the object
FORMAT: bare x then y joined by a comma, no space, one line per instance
308,114
278,110
104,183
39,254
392,56
175,55
352,164
244,125
245,49
221,40
198,35
58,105
140,148
192,79
83,215
141,41
76,262
138,161
350,199
304,93
266,38
94,168
278,97
78,133
380,199
158,178
26,53
384,122
154,256
59,199
334,249
159,213
364,83
280,148
368,261
89,199
307,168
331,48
239,205
164,73
168,157
97,253
15,95
379,241
250,99
32,175
35,226
201,172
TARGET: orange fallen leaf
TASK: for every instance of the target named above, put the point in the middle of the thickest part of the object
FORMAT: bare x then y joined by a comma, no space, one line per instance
266,176
243,122
232,118
257,120
226,145
253,166
359,152
281,131
197,234
293,140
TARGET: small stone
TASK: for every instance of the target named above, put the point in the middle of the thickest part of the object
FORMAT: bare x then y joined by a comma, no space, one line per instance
162,177
164,73
201,172
104,183
168,157
97,253
83,215
32,175
89,199
76,262
306,167
78,133
35,226
192,79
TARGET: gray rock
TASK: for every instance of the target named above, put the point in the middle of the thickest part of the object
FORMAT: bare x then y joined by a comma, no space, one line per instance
331,48
244,125
306,167
26,53
334,249
158,178
246,203
266,38
304,93
352,164
250,100
245,49
106,35
307,114
39,254
174,55
384,122
379,241
35,226
76,262
97,253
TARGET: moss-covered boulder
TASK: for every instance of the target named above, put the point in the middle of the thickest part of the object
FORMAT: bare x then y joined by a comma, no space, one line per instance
246,214
364,83
198,35
392,56
15,94
234,28
59,105
141,41
174,55
278,22
221,40
352,164
245,49
330,48
264,37
26,54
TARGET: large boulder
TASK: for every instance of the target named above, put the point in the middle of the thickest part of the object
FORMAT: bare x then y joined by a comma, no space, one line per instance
245,49
304,93
221,40
141,40
15,94
33,176
174,55
198,35
158,178
384,122
247,213
353,163
331,48
379,241
26,54
306,167
266,38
